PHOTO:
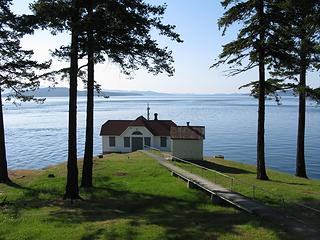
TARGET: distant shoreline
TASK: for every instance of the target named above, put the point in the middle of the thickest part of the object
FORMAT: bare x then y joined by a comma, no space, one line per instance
64,92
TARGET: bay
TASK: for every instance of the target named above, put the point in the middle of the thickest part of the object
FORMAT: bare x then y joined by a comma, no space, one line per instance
36,134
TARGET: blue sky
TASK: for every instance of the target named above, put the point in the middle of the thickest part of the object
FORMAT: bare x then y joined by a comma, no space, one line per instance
196,21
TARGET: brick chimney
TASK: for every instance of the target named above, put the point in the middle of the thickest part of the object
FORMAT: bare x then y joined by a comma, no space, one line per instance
156,116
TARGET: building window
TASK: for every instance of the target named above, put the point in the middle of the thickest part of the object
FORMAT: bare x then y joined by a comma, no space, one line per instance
136,133
112,141
163,141
126,141
147,141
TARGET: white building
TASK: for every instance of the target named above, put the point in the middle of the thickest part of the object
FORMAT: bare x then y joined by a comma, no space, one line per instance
131,135
187,142
123,136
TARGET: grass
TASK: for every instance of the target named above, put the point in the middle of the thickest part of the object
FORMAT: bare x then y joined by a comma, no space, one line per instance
293,190
133,198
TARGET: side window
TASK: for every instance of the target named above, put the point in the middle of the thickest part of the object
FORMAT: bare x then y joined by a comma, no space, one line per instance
163,141
126,142
147,141
112,141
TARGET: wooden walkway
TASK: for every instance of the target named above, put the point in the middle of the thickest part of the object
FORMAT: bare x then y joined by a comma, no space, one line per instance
240,201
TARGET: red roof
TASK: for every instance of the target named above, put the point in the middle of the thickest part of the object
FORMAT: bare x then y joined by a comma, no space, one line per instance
156,127
114,127
188,132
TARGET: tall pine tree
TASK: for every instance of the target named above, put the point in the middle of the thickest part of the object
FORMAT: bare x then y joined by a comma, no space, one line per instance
250,50
87,169
297,38
120,31
18,72
64,16
72,187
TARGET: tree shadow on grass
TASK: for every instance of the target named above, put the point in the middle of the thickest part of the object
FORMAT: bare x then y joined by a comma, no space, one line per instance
35,192
33,197
14,185
289,183
218,167
92,235
306,210
178,218
121,214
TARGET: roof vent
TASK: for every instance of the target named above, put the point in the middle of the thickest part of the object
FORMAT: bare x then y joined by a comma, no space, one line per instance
188,124
156,116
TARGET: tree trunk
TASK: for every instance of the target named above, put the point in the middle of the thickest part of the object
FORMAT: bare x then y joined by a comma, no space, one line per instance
300,157
4,178
72,188
261,169
88,152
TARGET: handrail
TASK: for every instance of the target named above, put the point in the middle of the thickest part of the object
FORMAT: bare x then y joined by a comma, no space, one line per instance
254,187
199,166
308,207
153,148
233,179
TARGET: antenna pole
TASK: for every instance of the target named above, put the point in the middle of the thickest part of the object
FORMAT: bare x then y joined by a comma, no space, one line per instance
148,112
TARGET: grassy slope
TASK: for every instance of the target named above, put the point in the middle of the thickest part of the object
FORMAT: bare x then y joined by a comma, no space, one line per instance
134,198
291,188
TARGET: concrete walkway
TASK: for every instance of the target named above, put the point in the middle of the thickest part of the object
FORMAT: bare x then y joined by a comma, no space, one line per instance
239,201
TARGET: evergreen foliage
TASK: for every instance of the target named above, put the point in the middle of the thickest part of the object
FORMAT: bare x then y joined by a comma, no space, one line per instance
297,36
283,36
120,31
115,30
249,50
18,74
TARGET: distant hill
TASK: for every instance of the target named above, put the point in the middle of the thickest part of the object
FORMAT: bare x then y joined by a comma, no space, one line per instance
133,93
287,93
64,92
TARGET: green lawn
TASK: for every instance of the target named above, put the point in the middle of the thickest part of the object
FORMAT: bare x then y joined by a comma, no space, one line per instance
134,198
292,189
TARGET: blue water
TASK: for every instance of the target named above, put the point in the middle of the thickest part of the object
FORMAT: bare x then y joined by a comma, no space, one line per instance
36,135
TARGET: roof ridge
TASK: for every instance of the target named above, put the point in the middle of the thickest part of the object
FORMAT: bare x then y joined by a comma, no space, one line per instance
196,131
118,120
189,132
156,127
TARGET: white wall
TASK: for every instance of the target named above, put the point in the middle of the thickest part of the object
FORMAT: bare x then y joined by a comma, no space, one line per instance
157,144
119,145
188,149
155,140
